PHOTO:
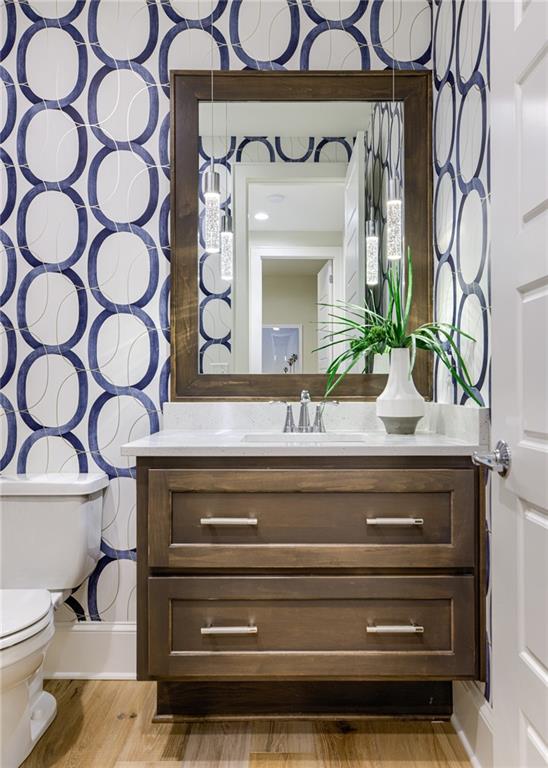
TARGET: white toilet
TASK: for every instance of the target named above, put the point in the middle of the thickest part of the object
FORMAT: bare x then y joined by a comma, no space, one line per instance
50,534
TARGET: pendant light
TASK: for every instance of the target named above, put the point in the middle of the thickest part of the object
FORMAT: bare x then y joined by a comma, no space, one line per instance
371,250
393,222
212,191
393,201
227,236
212,220
227,246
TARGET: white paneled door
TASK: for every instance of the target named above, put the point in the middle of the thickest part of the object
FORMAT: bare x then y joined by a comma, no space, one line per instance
519,134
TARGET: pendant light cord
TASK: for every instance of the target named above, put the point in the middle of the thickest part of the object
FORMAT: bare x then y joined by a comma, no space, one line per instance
212,117
226,146
393,51
401,270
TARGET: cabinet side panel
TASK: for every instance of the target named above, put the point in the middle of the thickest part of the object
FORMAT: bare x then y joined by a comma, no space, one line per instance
142,570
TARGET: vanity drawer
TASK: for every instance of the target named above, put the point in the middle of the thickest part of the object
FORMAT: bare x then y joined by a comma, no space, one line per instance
363,627
311,519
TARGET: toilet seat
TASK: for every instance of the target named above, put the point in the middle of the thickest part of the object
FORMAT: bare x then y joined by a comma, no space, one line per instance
23,613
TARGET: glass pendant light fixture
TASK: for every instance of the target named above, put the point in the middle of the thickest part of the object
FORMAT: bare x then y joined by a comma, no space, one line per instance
393,201
212,192
371,250
393,222
212,218
227,236
227,245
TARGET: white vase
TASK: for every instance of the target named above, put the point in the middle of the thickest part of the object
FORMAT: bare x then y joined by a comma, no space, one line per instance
400,407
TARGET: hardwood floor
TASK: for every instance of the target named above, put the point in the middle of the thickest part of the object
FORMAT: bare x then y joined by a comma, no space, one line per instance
107,724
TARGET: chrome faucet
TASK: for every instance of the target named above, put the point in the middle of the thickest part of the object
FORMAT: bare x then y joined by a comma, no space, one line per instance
304,417
305,424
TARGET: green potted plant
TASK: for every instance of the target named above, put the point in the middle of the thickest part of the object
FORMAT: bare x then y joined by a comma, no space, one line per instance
363,332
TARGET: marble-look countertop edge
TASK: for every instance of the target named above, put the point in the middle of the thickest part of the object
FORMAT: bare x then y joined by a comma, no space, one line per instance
175,443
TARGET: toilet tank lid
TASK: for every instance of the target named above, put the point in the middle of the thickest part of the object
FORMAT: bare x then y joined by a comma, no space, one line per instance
53,484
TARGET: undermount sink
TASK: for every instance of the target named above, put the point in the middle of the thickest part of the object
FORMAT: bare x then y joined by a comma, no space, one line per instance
304,437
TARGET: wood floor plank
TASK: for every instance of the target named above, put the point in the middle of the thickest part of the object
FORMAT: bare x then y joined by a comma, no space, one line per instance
282,760
218,745
388,744
289,736
446,741
148,764
113,727
107,724
95,719
154,741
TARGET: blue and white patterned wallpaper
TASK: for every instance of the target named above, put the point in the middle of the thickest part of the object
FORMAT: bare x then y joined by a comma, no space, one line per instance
460,63
85,208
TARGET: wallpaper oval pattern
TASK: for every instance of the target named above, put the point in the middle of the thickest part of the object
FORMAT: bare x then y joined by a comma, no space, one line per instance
84,212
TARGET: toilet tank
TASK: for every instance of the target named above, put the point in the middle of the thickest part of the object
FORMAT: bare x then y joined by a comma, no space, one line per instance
50,529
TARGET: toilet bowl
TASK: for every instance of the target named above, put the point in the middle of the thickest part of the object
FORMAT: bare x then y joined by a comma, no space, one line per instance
50,542
26,630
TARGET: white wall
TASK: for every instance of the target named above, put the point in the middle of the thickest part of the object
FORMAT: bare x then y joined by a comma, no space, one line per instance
292,299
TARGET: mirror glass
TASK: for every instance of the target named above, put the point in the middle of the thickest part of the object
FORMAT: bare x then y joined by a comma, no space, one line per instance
307,189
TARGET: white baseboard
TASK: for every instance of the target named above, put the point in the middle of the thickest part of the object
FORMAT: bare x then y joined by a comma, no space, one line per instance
92,650
473,721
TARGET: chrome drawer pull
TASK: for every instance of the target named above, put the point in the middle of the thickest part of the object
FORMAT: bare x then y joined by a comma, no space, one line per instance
229,630
228,521
407,521
396,629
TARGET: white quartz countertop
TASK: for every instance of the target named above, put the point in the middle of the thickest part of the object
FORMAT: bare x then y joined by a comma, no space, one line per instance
233,442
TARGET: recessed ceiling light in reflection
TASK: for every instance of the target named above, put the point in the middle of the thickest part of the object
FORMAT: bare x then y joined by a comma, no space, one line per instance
261,216
276,198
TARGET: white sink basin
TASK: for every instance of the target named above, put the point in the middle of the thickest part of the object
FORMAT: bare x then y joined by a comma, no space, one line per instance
304,437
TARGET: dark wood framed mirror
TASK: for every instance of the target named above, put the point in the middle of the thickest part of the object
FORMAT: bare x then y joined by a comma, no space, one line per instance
190,93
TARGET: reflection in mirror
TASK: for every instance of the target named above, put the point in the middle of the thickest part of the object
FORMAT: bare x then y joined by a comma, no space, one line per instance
313,193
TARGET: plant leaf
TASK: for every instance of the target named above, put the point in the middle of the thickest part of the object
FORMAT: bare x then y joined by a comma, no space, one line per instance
413,354
409,290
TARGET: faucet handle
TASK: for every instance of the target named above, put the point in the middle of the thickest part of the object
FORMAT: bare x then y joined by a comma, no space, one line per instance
305,396
289,425
319,425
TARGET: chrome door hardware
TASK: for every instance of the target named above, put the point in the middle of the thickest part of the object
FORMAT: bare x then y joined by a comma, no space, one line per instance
404,521
498,460
395,629
251,630
228,521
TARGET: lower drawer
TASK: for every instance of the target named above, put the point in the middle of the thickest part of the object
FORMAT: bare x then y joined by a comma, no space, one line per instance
315,627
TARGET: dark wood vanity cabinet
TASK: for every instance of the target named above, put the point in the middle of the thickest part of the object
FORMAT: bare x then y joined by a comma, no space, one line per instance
316,572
